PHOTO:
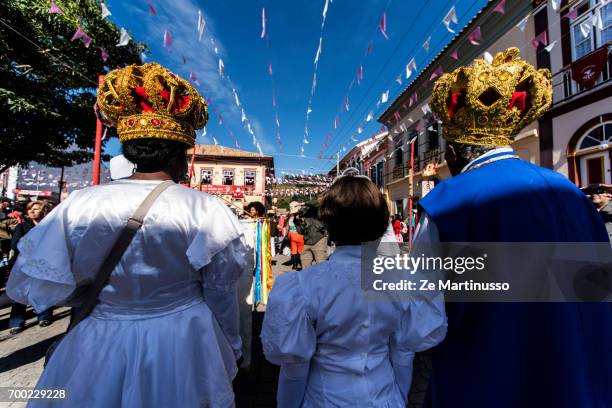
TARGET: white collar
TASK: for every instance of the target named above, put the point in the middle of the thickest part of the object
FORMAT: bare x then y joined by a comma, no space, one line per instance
489,153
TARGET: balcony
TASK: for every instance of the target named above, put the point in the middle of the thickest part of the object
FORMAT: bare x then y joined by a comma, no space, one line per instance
565,87
399,171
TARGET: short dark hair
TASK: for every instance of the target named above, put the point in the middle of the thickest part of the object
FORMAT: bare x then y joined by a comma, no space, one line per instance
354,211
151,155
259,207
469,152
5,200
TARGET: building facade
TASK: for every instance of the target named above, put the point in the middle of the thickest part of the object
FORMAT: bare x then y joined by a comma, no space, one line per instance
576,133
416,146
236,176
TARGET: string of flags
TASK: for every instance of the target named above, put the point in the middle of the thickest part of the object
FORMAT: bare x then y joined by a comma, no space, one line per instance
265,35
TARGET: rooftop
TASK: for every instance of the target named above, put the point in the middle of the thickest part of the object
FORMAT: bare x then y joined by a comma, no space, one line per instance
222,151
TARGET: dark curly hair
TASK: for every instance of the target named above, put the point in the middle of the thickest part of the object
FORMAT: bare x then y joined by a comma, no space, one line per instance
259,207
151,155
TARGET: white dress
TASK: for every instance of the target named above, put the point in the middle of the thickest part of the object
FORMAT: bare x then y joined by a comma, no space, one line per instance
166,330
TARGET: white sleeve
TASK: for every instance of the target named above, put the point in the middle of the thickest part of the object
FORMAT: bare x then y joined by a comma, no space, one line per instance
42,275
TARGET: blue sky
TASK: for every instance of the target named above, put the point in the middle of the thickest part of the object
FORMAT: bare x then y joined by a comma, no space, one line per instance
293,28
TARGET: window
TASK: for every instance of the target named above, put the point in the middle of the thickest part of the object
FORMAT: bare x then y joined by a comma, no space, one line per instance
206,176
600,135
373,174
228,177
433,139
581,44
380,170
398,155
249,178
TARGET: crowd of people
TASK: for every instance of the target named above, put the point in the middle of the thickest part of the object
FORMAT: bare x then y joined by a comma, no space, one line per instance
163,274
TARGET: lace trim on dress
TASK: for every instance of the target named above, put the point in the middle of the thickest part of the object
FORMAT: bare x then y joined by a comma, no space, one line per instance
40,268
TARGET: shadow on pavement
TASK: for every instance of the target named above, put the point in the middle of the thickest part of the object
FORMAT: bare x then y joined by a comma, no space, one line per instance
27,355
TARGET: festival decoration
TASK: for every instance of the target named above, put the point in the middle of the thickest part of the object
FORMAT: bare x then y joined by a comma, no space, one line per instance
79,34
124,38
451,17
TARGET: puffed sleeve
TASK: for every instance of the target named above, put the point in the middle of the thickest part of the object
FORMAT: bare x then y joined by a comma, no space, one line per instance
288,335
218,252
42,275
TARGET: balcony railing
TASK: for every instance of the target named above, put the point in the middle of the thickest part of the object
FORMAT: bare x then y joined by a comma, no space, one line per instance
569,88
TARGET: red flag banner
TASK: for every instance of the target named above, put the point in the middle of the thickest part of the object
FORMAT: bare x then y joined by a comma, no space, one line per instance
586,70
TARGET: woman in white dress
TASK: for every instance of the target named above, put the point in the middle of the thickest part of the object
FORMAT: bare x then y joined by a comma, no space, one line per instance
165,332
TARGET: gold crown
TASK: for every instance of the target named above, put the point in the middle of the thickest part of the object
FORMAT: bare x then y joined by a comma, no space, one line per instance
149,101
487,104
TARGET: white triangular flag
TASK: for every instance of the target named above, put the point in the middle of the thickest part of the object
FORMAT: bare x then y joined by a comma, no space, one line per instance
451,17
215,141
411,120
488,57
550,46
385,97
555,4
426,43
244,118
523,23
359,130
201,25
399,79
308,111
353,139
316,61
124,38
370,117
221,68
236,97
105,11
410,68
597,21
426,109
305,141
585,28
216,50
259,149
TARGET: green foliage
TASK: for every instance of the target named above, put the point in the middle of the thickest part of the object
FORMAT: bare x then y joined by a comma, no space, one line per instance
48,83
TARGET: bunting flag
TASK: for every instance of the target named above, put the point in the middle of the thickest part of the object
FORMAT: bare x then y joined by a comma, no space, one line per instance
277,122
221,68
215,141
501,7
540,39
385,97
336,122
346,103
167,40
572,14
193,78
451,17
103,54
359,130
550,46
359,74
184,59
79,34
413,99
370,48
426,44
555,4
143,57
263,22
399,79
105,11
383,26
270,69
523,23
455,55
353,138
318,54
597,21
475,36
201,25
220,120
370,116
152,11
488,57
236,97
54,8
410,68
426,109
244,118
396,115
585,28
436,73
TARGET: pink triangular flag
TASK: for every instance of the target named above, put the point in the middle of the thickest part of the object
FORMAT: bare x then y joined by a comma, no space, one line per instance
501,7
220,120
270,69
103,54
475,36
167,39
437,72
346,103
455,55
383,25
541,38
152,11
82,35
54,8
193,78
572,14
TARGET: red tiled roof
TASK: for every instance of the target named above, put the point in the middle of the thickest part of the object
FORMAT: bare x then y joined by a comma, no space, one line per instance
222,151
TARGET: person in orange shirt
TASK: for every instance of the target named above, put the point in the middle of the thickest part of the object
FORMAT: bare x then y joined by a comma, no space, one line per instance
296,238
